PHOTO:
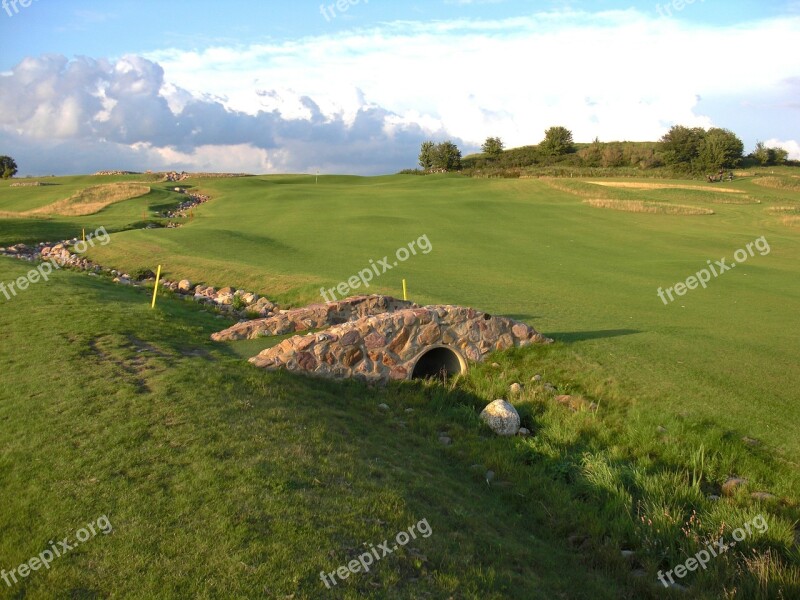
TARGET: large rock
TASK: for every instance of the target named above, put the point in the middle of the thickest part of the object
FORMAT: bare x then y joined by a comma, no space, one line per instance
184,286
502,418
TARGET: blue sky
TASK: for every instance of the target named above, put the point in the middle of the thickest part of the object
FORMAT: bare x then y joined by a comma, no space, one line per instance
293,86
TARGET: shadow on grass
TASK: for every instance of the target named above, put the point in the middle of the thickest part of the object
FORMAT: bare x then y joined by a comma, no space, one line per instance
582,336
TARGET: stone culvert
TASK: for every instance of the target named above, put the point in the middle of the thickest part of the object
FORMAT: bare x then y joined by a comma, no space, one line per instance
405,343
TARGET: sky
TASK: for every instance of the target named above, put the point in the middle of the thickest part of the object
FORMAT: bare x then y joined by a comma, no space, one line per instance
354,86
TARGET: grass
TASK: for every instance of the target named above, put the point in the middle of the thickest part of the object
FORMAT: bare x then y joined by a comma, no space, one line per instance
656,208
191,444
779,183
93,199
264,480
221,480
647,185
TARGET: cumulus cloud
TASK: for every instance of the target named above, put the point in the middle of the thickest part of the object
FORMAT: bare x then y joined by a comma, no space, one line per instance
59,106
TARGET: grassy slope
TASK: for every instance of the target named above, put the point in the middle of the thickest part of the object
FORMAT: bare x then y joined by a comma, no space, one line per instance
223,481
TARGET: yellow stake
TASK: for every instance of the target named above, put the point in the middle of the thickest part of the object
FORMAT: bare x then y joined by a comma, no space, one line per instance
83,235
155,290
405,290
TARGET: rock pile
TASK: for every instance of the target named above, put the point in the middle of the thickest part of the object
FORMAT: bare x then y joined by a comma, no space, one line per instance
58,252
316,316
183,208
236,302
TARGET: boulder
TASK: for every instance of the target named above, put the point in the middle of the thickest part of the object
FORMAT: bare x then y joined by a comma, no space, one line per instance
184,286
502,418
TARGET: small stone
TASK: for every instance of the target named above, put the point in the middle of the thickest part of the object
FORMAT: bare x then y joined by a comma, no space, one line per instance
673,586
515,388
763,496
383,406
523,432
496,365
661,429
409,410
627,553
184,286
537,378
752,442
730,486
445,440
489,476
549,387
713,497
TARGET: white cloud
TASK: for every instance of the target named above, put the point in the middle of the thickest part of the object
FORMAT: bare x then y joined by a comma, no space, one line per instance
618,75
791,146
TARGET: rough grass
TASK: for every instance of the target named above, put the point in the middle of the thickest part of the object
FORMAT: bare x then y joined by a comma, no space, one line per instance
92,200
779,183
639,185
655,208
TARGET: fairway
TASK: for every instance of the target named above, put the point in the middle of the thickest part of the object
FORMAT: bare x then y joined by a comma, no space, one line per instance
725,355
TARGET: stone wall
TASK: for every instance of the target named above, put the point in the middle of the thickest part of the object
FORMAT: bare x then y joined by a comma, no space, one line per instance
316,316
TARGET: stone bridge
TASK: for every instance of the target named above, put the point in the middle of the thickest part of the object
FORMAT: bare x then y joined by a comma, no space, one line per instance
391,340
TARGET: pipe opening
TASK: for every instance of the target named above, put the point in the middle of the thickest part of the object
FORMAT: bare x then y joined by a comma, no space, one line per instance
438,363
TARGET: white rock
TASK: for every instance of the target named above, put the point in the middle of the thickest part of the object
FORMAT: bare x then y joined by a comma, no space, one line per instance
501,417
184,285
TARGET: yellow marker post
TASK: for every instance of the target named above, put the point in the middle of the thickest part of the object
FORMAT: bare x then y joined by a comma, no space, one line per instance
405,290
83,234
155,290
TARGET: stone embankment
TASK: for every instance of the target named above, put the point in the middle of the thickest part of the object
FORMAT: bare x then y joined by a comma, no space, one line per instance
392,340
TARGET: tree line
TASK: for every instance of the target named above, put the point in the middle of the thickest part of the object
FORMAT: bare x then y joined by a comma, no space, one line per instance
684,149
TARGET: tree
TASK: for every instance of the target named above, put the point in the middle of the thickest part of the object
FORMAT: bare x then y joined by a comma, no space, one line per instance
427,154
557,141
8,168
761,154
778,156
592,155
447,157
681,145
614,155
769,156
493,146
720,149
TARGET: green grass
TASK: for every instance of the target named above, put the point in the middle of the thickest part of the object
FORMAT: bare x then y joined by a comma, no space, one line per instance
520,248
716,366
223,481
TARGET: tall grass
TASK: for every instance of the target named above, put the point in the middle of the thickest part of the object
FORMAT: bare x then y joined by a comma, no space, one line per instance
656,208
91,200
779,183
